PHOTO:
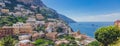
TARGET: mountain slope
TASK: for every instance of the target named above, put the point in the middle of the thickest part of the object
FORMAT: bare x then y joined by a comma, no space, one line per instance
41,8
66,19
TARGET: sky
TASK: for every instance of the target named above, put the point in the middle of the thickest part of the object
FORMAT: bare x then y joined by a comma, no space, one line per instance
87,10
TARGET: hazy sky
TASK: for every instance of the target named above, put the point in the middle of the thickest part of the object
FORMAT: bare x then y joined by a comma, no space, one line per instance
87,10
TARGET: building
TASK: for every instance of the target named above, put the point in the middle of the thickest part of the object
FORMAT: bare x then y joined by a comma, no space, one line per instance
22,28
18,13
39,17
5,10
6,31
40,23
18,7
24,37
31,20
117,23
33,7
52,35
50,26
2,4
86,40
25,43
35,36
58,42
49,29
50,19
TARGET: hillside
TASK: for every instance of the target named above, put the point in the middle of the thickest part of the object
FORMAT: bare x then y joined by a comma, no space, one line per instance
51,12
66,19
31,23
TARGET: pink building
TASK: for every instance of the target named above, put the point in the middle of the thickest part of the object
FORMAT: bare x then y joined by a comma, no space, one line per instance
117,23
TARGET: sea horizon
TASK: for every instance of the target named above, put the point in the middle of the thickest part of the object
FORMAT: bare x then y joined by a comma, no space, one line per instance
88,28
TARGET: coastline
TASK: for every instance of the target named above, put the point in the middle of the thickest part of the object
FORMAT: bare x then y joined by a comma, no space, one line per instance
88,28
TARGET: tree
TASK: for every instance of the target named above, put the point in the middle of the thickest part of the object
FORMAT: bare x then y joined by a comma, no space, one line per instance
73,43
67,37
40,28
10,20
59,29
43,42
107,35
63,44
94,43
8,41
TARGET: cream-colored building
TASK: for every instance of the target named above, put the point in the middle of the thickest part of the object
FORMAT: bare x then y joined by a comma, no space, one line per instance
39,17
22,28
5,10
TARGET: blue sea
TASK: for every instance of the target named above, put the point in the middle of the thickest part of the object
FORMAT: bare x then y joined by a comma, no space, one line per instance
88,28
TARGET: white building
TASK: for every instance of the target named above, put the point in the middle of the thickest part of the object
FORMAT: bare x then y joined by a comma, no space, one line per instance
40,23
18,14
24,37
31,20
2,4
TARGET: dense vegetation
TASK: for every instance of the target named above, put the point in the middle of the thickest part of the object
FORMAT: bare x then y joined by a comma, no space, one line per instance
67,37
43,42
94,43
72,43
40,28
60,29
107,35
10,20
8,41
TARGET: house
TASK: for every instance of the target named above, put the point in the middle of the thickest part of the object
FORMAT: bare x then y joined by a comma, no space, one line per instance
18,7
50,19
40,23
51,36
33,7
58,42
35,36
31,20
42,34
27,12
10,13
2,4
18,13
75,33
25,43
22,28
117,23
86,40
39,17
5,10
50,27
24,37
4,31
